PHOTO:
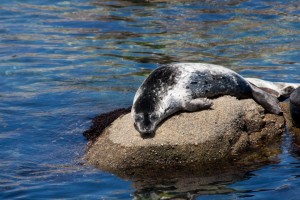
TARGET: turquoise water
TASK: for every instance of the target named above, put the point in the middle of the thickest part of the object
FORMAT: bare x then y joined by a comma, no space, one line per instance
64,62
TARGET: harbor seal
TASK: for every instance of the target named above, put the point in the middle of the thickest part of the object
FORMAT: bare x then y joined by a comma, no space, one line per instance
189,87
295,107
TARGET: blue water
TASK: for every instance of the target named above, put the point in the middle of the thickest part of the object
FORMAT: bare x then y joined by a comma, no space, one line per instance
64,62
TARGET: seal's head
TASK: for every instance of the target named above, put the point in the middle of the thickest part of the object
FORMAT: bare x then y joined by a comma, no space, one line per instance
149,104
145,114
146,123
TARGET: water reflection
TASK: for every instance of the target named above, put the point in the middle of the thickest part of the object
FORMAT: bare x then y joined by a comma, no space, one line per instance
188,185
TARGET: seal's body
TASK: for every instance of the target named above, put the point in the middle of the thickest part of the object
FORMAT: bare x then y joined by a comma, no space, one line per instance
189,87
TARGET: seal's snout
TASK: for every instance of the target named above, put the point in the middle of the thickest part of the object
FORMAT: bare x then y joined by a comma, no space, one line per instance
145,124
144,131
148,134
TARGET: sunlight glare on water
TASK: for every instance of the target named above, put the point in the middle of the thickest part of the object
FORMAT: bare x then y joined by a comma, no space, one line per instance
64,62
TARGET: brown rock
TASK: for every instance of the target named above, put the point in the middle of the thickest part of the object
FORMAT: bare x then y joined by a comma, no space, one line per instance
233,131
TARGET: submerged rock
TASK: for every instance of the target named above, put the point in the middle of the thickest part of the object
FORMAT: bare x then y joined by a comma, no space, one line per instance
233,131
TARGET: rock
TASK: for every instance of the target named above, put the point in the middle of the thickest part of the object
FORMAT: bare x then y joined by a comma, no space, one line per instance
232,132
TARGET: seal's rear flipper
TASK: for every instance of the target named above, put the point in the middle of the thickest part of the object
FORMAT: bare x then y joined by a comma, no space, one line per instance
281,90
266,100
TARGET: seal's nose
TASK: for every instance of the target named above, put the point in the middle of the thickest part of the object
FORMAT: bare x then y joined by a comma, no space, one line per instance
147,133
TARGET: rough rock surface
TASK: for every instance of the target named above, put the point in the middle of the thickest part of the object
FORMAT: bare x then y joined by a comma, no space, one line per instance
233,131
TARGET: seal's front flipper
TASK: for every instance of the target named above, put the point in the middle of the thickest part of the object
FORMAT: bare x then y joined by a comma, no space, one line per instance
266,100
198,104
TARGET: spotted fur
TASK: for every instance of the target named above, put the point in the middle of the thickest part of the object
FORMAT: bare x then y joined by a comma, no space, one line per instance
189,87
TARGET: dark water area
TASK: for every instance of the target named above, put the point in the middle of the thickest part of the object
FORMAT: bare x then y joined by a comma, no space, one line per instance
64,62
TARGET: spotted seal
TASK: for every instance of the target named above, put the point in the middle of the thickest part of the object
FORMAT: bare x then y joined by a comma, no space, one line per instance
189,87
295,107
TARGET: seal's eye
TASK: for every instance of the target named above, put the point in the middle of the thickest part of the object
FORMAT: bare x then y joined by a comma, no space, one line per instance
139,117
153,117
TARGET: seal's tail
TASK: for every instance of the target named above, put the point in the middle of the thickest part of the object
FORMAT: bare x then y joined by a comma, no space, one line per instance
267,101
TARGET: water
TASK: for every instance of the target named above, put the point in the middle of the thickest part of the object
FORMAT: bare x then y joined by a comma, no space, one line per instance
64,62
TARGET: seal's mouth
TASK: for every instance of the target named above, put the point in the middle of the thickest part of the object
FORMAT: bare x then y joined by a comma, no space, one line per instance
146,132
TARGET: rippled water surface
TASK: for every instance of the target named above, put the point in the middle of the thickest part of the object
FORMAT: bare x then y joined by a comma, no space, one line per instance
64,62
